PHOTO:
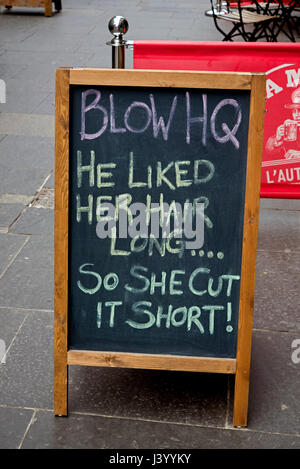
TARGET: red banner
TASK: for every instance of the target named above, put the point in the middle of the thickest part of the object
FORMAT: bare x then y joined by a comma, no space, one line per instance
281,63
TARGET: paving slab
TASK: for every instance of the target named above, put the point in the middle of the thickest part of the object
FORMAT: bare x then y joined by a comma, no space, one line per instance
10,246
21,27
59,59
28,282
10,322
17,96
8,71
274,404
274,262
73,4
96,432
26,379
44,40
279,230
36,221
278,311
25,163
27,25
144,394
8,214
27,125
33,77
13,424
47,106
280,204
30,152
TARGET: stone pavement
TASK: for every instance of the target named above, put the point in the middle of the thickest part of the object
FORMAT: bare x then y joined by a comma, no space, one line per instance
118,408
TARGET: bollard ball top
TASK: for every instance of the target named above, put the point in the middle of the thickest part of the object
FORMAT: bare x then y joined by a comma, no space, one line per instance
118,25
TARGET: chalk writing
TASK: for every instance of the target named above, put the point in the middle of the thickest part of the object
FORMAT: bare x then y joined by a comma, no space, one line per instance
166,283
147,113
156,219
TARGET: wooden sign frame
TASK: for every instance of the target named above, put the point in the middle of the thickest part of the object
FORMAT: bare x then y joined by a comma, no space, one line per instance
63,357
46,4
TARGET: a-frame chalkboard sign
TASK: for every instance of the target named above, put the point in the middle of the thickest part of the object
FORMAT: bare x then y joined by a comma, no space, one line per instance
157,180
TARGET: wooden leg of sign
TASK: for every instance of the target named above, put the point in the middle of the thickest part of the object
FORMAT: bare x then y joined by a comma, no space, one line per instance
61,242
48,7
61,391
60,366
241,395
251,214
243,356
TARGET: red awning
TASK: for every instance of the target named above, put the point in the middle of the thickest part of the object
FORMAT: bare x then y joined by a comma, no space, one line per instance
280,62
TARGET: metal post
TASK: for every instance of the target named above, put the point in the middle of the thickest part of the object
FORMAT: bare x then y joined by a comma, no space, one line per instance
118,26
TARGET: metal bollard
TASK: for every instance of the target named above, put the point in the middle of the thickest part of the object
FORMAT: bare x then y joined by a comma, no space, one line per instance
118,26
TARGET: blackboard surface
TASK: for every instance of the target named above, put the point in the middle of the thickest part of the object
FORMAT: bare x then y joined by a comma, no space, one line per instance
156,145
